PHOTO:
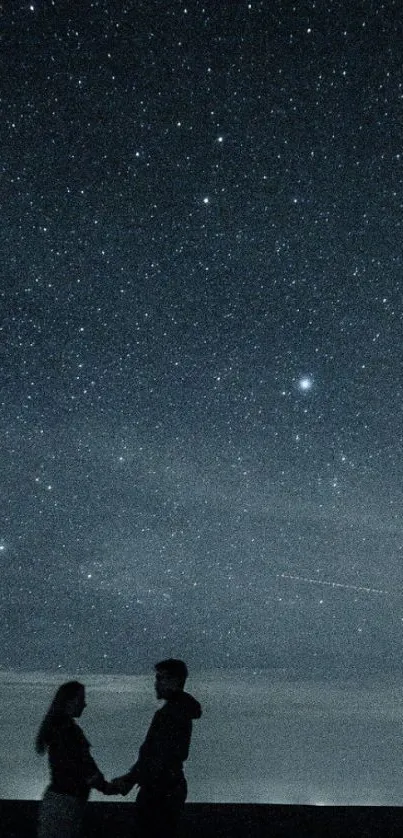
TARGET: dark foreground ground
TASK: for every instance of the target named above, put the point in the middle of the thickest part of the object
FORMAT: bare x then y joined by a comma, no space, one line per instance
208,820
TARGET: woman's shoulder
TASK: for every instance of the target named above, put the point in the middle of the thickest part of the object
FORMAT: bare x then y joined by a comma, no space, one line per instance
64,728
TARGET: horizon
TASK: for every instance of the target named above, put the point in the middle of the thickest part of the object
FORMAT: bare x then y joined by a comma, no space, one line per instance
259,740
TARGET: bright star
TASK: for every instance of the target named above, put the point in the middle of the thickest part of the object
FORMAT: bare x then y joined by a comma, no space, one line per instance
305,383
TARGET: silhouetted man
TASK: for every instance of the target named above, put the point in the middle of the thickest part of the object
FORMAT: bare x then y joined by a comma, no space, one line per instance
159,768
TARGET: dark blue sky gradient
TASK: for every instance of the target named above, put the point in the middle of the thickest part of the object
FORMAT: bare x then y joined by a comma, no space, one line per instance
201,335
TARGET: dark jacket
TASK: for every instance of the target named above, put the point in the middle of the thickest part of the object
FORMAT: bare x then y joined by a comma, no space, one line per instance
166,746
72,768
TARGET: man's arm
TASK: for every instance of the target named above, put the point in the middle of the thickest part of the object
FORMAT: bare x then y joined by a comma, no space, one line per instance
163,751
161,747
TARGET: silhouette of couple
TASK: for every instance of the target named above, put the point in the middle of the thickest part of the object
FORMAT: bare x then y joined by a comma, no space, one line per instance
158,771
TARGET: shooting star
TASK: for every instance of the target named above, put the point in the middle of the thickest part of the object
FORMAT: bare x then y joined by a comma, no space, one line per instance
310,581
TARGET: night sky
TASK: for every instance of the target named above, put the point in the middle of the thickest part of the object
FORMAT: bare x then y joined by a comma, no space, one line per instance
201,335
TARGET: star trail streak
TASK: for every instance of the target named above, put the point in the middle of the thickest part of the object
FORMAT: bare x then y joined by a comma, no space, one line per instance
309,581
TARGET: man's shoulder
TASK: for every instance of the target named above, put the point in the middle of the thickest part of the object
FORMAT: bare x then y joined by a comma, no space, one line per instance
181,706
170,712
167,710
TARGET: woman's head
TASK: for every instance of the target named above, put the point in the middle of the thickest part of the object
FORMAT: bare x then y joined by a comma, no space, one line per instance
69,701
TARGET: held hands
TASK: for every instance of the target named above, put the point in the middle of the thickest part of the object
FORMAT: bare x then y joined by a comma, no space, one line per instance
121,785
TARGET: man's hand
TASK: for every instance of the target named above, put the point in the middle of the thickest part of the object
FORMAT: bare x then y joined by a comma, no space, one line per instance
121,785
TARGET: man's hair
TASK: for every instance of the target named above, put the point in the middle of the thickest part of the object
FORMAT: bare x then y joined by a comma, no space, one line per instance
175,669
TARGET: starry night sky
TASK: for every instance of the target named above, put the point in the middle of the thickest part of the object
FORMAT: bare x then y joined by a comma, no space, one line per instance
201,334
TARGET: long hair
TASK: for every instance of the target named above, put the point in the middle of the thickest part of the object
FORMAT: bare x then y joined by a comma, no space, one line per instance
56,713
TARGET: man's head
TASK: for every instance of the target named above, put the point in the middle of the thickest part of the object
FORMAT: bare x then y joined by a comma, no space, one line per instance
170,677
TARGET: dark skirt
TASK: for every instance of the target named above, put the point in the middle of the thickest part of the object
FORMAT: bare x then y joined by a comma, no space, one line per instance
60,815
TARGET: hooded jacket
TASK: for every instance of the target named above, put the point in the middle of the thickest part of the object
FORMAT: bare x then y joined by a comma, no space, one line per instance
166,746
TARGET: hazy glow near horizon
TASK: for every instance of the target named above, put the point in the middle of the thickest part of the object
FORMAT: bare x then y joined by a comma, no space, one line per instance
295,736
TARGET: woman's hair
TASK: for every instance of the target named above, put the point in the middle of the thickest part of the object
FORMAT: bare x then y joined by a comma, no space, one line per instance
57,711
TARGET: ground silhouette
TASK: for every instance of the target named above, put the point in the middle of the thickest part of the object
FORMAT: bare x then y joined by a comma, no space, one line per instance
209,820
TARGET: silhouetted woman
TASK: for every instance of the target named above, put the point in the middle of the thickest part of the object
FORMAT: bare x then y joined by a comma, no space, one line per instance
72,769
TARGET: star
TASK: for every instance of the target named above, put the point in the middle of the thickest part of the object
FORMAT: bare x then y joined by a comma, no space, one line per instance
305,383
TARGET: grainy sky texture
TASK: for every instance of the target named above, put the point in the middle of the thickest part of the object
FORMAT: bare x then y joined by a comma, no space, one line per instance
201,335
